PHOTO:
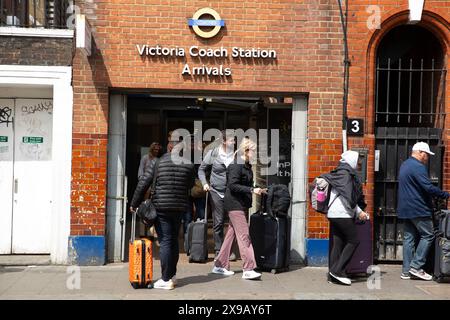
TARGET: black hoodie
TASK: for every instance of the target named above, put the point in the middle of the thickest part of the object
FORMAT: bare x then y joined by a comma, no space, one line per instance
345,181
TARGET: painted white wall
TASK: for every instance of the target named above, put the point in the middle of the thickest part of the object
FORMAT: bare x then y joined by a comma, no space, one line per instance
26,91
299,178
25,81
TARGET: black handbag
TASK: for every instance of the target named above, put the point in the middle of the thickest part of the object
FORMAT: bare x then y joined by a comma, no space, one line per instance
147,210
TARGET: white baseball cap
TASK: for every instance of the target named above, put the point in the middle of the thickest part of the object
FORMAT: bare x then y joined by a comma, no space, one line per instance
422,146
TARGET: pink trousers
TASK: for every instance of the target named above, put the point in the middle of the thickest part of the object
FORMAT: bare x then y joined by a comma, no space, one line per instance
238,228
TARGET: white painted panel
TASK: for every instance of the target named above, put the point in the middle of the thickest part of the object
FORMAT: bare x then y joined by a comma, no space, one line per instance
32,176
61,163
299,179
115,210
6,173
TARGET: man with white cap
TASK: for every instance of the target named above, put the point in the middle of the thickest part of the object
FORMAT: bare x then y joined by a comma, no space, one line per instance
415,192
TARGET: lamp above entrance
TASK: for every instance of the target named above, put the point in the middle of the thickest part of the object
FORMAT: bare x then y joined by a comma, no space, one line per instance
415,11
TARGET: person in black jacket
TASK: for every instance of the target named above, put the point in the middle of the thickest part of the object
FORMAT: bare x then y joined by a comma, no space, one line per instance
347,203
173,182
238,199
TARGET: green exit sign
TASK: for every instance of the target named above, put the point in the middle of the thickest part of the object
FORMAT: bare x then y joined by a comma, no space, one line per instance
3,138
32,139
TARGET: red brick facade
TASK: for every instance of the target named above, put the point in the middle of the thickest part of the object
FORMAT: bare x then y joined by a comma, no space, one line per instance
307,36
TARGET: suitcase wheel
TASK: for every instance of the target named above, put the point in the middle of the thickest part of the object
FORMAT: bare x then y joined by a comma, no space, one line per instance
438,279
150,286
135,285
273,271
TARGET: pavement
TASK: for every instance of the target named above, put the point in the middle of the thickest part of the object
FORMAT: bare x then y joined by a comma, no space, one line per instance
196,282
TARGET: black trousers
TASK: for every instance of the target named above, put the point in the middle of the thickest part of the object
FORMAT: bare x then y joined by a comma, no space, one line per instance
167,227
219,216
345,241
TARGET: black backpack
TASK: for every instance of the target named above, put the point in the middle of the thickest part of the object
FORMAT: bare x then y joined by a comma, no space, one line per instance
278,200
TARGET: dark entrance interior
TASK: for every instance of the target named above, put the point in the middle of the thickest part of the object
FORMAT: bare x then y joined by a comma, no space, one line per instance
409,107
150,119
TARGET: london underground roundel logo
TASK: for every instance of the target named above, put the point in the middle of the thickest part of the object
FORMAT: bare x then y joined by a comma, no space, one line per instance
196,23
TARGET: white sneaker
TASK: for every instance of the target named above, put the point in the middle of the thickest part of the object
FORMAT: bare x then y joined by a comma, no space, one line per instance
174,280
161,284
222,271
420,274
342,280
250,275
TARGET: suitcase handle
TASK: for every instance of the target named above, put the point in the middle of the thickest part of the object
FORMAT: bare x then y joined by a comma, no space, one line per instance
206,207
263,202
133,226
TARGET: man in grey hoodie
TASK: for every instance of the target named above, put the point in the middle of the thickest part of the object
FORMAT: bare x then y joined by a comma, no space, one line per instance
217,160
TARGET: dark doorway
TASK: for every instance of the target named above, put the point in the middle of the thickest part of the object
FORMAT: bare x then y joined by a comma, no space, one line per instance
150,119
409,107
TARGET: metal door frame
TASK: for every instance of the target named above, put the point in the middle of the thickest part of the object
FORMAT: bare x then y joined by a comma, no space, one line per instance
423,123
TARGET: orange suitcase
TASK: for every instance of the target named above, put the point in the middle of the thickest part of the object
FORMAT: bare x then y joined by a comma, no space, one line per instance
140,260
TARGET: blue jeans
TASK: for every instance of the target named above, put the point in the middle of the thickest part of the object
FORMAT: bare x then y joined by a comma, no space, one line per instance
187,218
167,227
418,238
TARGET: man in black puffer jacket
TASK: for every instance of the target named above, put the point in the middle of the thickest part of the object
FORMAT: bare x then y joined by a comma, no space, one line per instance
173,183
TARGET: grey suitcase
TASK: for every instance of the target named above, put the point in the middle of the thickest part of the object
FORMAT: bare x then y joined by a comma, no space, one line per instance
442,247
196,241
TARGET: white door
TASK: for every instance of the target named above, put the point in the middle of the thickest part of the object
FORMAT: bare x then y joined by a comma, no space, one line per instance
29,168
6,173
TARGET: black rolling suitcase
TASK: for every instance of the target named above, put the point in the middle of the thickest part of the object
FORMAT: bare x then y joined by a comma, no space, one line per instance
196,241
442,246
271,238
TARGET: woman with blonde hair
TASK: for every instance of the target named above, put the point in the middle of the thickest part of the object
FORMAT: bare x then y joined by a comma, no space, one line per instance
238,199
153,154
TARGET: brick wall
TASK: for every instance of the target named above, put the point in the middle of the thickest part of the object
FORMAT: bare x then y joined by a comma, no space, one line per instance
362,46
35,51
308,39
306,35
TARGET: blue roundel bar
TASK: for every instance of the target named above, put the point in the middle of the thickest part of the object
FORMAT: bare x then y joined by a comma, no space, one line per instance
206,23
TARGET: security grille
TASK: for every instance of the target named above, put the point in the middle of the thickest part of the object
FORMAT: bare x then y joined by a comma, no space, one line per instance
34,13
409,107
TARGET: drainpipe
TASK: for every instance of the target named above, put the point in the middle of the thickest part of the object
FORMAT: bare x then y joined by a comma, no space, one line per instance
346,73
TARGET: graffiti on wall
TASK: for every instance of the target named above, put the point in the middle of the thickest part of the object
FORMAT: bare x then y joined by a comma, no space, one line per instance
5,115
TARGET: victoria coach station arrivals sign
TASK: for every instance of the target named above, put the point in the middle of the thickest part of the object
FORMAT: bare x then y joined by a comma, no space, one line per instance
197,52
213,27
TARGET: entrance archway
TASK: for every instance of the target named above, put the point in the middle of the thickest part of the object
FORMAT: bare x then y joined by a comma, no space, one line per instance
409,107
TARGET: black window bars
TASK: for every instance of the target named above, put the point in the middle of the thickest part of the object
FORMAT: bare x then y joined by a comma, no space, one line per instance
410,93
50,14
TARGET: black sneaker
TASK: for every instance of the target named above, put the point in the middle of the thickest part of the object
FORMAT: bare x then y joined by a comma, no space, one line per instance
330,279
342,280
405,276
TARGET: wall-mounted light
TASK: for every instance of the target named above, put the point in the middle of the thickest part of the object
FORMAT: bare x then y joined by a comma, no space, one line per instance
415,11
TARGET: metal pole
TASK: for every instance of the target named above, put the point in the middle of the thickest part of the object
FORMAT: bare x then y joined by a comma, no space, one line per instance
346,74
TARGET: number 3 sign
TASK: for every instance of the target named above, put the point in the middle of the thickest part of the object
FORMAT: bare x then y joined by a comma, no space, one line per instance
355,127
